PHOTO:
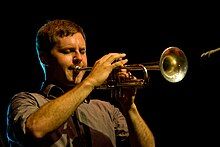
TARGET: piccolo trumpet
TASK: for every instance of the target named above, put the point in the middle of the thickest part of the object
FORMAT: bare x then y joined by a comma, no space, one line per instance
173,66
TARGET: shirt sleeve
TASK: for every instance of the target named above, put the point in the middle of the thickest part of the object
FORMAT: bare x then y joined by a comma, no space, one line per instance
121,128
21,106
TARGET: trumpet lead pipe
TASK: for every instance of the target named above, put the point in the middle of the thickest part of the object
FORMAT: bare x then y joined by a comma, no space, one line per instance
129,67
140,67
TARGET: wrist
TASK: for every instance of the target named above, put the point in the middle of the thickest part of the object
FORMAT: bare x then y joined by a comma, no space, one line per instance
89,83
132,109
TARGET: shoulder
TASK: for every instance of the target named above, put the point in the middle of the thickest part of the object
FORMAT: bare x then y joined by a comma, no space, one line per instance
97,101
27,95
24,94
28,98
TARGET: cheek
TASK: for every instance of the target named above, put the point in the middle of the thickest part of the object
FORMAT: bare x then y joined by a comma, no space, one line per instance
84,61
64,61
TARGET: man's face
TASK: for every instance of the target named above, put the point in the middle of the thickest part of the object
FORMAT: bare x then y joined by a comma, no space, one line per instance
67,52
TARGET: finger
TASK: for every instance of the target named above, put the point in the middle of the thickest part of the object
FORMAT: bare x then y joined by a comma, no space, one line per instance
119,63
104,58
115,57
123,70
110,58
123,74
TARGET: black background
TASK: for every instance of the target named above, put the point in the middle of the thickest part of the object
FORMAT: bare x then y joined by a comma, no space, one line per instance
179,114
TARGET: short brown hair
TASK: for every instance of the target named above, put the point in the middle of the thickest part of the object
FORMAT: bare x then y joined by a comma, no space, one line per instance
48,34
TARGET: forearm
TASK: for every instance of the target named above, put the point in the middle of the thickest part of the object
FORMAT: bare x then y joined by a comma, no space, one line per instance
140,134
54,113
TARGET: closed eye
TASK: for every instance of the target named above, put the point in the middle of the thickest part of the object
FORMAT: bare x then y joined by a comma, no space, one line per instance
82,51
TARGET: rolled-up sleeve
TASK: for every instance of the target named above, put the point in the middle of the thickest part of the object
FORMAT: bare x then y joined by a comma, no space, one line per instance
22,105
121,127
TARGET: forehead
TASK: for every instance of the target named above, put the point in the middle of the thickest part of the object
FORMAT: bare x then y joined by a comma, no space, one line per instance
73,40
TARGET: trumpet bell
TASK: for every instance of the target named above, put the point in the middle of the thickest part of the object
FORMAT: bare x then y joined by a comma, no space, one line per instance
173,64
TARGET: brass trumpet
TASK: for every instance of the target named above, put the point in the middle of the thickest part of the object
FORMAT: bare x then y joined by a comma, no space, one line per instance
173,65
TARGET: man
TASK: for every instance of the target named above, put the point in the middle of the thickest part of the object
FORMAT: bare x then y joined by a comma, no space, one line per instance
60,114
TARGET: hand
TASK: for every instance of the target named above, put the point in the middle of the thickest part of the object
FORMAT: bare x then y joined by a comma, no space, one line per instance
127,94
104,66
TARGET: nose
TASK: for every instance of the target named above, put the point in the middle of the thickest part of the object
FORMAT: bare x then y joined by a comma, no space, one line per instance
77,59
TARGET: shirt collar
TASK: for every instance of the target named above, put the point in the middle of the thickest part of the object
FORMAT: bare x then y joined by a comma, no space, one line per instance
51,91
